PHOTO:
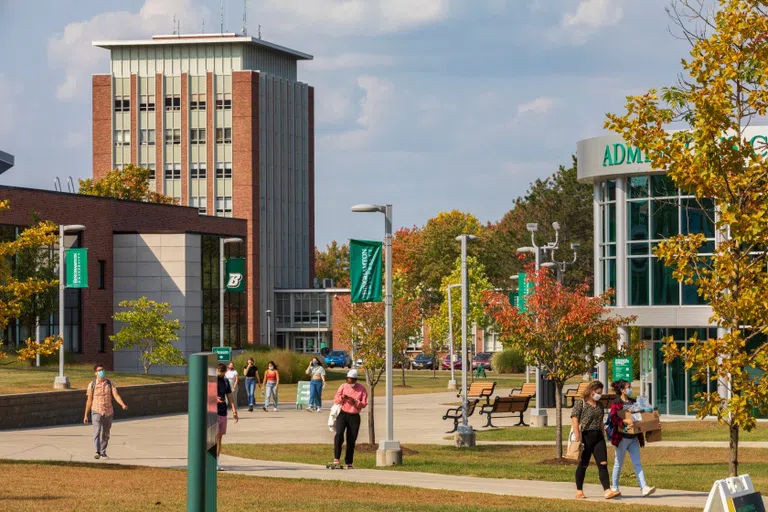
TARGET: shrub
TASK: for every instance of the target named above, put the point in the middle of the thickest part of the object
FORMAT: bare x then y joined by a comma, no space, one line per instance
508,361
290,364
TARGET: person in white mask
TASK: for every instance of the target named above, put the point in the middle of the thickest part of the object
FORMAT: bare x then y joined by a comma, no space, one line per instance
589,429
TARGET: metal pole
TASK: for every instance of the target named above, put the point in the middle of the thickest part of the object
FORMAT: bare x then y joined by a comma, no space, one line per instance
221,292
464,307
269,329
388,315
538,367
317,349
452,382
61,302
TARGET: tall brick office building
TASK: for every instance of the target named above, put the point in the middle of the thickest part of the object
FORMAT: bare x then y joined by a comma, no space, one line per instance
225,126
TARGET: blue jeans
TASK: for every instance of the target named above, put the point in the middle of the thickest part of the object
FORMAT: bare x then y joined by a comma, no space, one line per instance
633,446
316,393
271,394
250,388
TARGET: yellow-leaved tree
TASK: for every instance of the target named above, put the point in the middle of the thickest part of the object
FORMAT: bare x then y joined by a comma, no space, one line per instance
722,90
130,183
15,291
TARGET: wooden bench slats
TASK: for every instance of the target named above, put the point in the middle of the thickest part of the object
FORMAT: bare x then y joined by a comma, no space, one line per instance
480,390
527,389
507,405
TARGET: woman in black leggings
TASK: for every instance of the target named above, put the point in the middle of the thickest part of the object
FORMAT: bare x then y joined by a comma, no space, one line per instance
589,429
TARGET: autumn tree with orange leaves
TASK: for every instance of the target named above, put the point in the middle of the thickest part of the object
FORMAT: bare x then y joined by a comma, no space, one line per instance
560,331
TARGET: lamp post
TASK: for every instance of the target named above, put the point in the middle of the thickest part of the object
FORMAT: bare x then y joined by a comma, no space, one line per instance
538,415
62,382
222,286
269,328
452,382
317,313
389,452
527,368
465,435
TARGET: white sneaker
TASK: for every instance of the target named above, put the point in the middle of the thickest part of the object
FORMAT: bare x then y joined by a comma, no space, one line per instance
219,468
274,409
647,491
319,409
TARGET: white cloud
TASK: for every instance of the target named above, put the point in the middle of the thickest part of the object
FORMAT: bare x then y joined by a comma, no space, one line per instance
71,50
540,105
350,61
590,16
359,17
7,91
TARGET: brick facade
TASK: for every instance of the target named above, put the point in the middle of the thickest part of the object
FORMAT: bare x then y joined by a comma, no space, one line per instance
102,217
101,112
245,182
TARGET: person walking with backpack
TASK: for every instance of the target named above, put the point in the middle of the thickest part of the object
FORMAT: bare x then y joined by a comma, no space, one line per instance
588,427
353,398
99,403
625,442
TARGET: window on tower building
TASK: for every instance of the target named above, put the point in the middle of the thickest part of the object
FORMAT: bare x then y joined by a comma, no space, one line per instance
146,137
173,136
223,103
172,103
197,136
223,135
197,105
122,137
122,104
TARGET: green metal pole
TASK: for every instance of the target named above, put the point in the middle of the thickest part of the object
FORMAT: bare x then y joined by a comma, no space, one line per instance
196,442
210,480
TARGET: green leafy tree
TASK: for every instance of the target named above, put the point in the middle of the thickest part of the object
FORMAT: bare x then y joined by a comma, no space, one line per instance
147,328
130,183
478,285
724,90
333,263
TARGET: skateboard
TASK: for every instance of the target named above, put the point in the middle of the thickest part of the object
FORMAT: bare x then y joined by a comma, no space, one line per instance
333,465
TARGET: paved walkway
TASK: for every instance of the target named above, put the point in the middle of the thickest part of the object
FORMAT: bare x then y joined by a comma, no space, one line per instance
162,442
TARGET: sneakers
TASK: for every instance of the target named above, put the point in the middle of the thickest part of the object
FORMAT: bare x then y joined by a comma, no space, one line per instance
265,408
104,455
274,409
219,468
97,456
350,466
318,409
250,408
647,491
309,409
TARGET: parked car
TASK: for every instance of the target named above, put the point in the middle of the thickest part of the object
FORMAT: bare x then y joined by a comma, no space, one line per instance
338,358
423,362
482,359
447,363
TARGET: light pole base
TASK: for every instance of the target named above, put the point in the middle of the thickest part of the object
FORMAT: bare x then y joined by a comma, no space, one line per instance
464,437
389,454
61,383
539,418
451,384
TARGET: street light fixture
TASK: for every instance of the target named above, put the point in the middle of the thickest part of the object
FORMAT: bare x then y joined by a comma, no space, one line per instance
222,286
62,382
389,452
464,434
452,382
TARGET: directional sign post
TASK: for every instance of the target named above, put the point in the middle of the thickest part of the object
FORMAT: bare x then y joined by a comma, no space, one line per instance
223,354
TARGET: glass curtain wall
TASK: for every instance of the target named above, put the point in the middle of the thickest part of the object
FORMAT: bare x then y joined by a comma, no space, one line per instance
607,229
235,304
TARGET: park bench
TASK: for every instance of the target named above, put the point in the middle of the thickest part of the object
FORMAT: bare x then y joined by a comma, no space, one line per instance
454,413
506,406
480,390
606,400
528,389
576,394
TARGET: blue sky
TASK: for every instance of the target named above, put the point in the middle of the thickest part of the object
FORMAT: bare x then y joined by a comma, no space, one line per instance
428,104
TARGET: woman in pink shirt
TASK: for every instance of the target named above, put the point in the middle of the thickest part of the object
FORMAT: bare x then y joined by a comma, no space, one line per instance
353,397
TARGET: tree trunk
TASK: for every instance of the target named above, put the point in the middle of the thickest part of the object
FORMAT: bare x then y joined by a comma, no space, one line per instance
559,420
733,464
403,373
371,425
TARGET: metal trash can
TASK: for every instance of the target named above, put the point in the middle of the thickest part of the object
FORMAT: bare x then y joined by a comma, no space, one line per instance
547,390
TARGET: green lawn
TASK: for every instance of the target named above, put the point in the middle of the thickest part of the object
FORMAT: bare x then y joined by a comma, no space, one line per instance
692,469
18,378
112,488
672,431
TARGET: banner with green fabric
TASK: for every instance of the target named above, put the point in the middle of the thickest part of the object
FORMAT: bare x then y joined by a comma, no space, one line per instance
76,268
365,270
235,278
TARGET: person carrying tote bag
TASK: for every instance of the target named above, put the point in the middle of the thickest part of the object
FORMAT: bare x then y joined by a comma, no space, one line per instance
575,447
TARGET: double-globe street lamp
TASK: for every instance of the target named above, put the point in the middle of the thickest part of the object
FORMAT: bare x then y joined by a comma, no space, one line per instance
62,382
465,435
452,382
389,452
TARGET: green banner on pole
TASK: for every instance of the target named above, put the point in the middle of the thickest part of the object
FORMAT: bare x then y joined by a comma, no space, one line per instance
235,275
76,268
524,289
365,270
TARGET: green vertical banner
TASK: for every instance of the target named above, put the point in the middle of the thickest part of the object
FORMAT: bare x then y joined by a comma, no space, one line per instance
235,278
524,289
76,268
365,270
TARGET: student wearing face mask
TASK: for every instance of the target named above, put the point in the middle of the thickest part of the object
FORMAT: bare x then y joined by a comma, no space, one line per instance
316,371
353,398
626,442
99,403
271,382
589,429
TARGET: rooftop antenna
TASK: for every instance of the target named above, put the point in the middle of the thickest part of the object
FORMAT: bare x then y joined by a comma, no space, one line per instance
245,23
222,16
57,184
203,32
70,185
178,27
174,23
259,31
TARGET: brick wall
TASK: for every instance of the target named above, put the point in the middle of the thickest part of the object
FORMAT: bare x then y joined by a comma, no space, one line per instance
102,124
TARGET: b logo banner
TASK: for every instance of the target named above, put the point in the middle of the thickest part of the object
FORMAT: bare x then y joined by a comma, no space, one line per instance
365,270
235,280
